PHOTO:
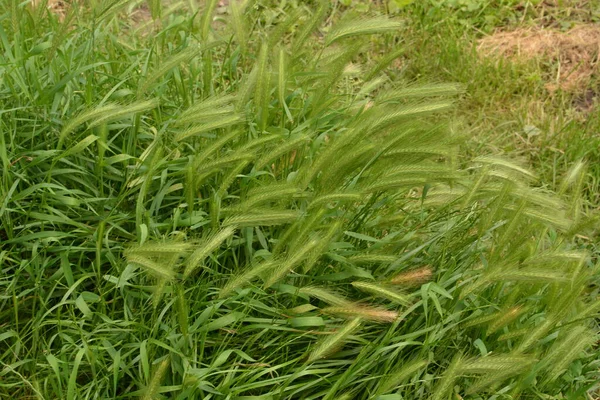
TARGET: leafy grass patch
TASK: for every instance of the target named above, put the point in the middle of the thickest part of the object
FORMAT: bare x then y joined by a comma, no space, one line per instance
511,104
228,210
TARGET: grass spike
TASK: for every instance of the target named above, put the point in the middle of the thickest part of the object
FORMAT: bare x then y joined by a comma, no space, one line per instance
299,232
83,117
242,279
282,82
290,262
322,246
182,310
210,149
174,61
536,334
206,248
272,192
399,114
157,269
123,111
420,91
207,109
328,296
382,291
225,161
534,275
503,318
219,122
263,86
496,363
493,379
246,88
159,248
563,353
504,163
445,385
158,291
231,176
480,320
365,312
413,277
365,26
79,147
330,344
514,334
286,147
152,390
264,218
399,376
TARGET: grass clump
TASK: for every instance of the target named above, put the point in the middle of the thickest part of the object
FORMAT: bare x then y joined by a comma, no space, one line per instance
227,210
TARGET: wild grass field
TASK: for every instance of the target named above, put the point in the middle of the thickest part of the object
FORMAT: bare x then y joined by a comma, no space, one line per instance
299,200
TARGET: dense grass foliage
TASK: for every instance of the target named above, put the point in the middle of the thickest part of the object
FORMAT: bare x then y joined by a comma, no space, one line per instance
201,208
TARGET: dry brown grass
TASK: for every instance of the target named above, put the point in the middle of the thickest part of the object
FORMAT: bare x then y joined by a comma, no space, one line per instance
575,53
59,7
139,18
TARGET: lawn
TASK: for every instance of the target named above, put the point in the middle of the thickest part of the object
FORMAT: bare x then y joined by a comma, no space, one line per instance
299,200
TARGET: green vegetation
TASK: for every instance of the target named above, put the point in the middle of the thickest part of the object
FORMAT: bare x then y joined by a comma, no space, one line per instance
508,107
221,206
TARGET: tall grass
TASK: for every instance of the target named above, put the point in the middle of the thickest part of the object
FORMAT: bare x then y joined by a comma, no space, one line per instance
226,210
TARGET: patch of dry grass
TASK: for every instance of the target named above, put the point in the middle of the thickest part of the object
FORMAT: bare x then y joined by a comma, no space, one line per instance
574,53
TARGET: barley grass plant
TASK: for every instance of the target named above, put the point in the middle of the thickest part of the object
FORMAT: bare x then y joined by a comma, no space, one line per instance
218,205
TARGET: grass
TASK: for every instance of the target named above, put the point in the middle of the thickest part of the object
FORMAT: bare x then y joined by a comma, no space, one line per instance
212,205
508,108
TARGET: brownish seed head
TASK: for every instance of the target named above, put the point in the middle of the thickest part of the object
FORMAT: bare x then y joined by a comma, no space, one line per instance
413,277
361,311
